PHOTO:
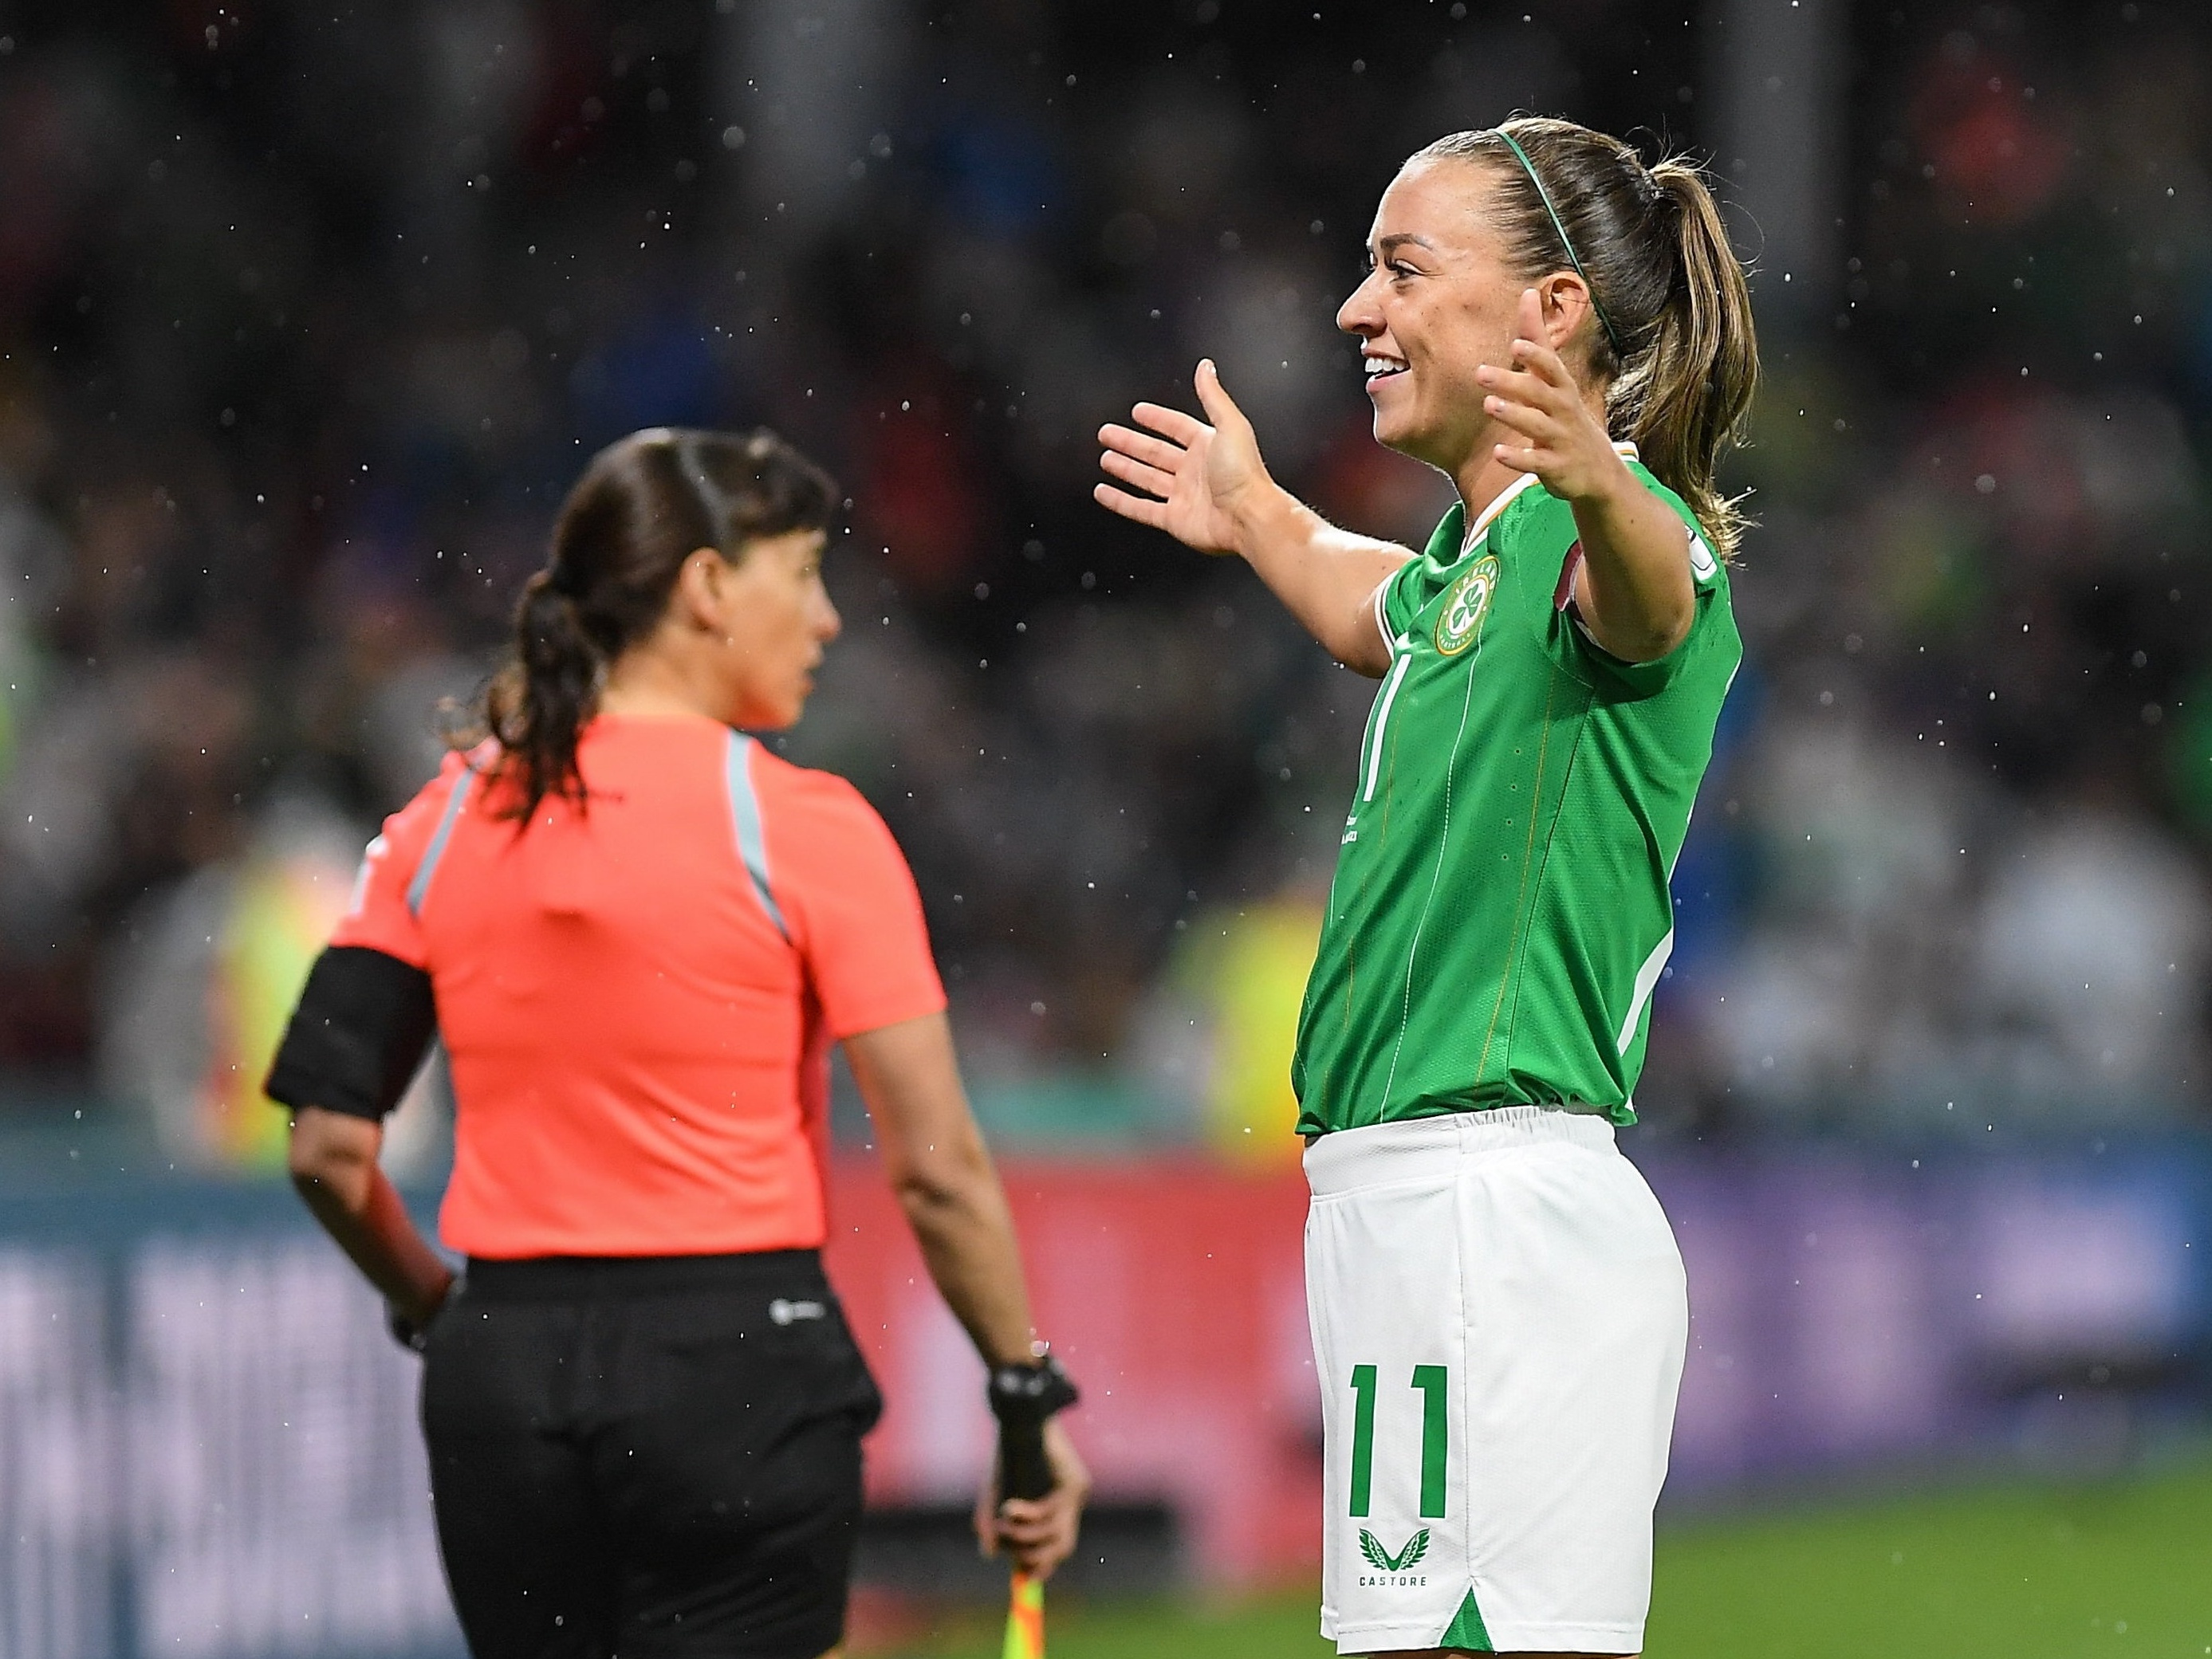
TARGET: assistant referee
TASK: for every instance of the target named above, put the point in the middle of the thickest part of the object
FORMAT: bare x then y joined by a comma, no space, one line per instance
637,934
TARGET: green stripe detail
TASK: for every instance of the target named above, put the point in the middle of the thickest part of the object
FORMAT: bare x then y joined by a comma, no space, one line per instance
1466,1633
1363,1437
1436,1436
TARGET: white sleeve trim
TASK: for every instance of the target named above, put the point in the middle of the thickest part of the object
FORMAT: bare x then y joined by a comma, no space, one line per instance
1702,565
1647,980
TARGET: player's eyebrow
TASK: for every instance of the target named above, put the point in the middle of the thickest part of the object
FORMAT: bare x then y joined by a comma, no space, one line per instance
1396,239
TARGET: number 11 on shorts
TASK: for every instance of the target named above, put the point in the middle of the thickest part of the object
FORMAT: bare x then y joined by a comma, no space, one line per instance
1433,1383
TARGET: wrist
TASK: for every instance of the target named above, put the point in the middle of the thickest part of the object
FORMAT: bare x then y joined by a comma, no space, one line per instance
1265,515
1027,1352
424,1305
1615,490
1029,1391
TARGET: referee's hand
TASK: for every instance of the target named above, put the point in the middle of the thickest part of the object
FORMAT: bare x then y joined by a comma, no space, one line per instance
1039,1533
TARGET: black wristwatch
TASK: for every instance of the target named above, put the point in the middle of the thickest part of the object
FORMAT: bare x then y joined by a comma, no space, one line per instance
406,1332
1027,1394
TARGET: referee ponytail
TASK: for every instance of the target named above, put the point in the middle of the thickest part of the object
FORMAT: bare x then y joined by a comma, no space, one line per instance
645,505
1674,343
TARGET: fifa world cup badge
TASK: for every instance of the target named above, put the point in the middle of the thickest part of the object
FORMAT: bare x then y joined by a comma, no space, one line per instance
1460,621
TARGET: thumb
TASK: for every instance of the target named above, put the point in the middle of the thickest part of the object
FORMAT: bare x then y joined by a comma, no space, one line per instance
1530,322
1220,408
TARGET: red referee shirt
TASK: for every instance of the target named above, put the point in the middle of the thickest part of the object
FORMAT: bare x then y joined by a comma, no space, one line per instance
637,1000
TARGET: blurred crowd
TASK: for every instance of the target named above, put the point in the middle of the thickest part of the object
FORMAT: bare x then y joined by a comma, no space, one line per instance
308,320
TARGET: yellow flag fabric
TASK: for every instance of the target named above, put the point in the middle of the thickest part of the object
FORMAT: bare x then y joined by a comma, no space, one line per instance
1025,1620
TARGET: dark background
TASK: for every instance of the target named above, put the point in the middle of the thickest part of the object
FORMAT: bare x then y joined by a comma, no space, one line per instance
308,316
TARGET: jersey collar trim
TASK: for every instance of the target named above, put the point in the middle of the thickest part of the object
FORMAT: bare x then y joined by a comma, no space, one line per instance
1505,496
1499,503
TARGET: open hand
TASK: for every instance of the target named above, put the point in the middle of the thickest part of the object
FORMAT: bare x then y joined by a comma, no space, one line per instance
1038,1534
1563,442
1194,479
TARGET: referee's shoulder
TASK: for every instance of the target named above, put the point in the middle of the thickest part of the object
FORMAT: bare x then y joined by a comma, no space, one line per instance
479,760
460,768
826,798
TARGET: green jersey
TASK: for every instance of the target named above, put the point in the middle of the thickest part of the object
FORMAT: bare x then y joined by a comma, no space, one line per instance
1500,912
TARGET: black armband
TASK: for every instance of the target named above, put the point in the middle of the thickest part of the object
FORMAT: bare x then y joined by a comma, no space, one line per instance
363,1024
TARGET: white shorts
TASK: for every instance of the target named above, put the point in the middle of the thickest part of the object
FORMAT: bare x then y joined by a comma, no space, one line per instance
1498,1322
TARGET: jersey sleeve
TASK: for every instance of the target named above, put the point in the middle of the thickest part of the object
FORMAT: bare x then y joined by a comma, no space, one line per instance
1408,589
384,912
1399,599
366,1015
862,933
1545,537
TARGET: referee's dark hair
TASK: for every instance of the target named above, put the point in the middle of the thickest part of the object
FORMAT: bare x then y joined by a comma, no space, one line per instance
1677,352
645,504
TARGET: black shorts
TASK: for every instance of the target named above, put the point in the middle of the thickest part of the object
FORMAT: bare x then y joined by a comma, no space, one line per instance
658,1457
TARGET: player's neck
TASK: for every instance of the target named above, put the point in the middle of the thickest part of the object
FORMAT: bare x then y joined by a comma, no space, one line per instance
1482,480
1482,477
653,682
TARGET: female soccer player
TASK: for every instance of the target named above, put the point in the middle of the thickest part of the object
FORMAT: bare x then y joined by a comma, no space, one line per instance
1498,1303
638,933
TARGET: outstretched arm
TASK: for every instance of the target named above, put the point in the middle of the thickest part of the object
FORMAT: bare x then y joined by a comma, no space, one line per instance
1634,592
1207,486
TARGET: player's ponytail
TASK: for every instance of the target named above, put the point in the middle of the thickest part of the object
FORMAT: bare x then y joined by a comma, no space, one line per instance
644,506
1696,387
1671,339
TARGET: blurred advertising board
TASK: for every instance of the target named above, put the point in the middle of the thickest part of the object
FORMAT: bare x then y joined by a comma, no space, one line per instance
208,1445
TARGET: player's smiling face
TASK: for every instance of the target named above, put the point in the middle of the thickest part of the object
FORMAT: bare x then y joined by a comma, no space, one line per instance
1437,304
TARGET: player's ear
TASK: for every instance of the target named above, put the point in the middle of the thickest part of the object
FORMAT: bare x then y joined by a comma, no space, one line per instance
697,598
1566,303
